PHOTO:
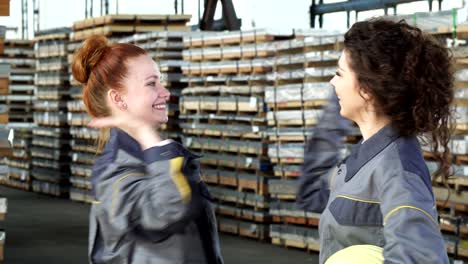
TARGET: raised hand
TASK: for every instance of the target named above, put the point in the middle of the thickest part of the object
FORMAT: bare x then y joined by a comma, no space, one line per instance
141,131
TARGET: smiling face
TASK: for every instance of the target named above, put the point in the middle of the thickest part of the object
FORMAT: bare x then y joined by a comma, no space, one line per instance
145,96
353,100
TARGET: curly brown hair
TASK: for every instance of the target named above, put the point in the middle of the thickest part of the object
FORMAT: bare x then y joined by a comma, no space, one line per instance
410,76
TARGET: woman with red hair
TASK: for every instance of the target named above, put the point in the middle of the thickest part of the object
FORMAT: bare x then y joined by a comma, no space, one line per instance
151,205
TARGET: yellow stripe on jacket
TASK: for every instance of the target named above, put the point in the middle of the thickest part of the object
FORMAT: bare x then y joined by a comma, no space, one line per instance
179,179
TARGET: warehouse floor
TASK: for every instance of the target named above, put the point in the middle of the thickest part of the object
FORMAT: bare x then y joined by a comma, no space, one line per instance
42,229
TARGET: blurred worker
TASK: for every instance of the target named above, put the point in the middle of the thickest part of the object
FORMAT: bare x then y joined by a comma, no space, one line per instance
151,206
395,83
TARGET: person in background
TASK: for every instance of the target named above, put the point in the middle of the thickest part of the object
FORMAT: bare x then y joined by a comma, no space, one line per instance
151,205
396,84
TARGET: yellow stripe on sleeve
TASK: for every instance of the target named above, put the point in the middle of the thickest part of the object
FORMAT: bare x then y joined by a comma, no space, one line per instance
408,207
116,191
356,199
179,179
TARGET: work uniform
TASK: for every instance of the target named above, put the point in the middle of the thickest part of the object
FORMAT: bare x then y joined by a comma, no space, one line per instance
380,195
151,206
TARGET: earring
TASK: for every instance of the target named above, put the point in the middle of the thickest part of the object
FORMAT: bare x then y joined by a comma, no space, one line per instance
124,106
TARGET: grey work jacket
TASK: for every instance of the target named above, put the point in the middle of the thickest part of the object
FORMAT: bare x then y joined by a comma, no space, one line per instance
381,194
151,206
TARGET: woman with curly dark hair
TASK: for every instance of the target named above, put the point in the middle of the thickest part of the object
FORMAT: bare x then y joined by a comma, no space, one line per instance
396,84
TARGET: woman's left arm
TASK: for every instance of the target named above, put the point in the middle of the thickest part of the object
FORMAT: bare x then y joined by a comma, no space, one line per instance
411,230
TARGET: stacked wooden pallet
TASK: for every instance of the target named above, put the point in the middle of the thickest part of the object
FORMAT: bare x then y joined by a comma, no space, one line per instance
165,47
5,152
223,115
124,25
50,151
3,212
453,201
434,22
453,207
5,148
4,90
20,55
83,141
299,89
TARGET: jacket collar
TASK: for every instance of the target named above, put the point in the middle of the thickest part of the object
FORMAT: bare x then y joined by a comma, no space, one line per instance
119,139
363,152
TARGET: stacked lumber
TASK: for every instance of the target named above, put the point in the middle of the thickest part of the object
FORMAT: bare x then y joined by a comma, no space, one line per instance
298,91
51,150
20,56
83,139
4,79
453,202
5,146
3,212
126,24
223,118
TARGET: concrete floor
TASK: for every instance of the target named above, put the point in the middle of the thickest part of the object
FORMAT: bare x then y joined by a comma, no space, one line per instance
42,229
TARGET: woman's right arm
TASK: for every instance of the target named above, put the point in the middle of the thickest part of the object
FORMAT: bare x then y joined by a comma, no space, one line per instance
321,155
155,195
159,193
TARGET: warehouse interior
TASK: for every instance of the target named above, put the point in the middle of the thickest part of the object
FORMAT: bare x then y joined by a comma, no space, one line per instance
244,97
